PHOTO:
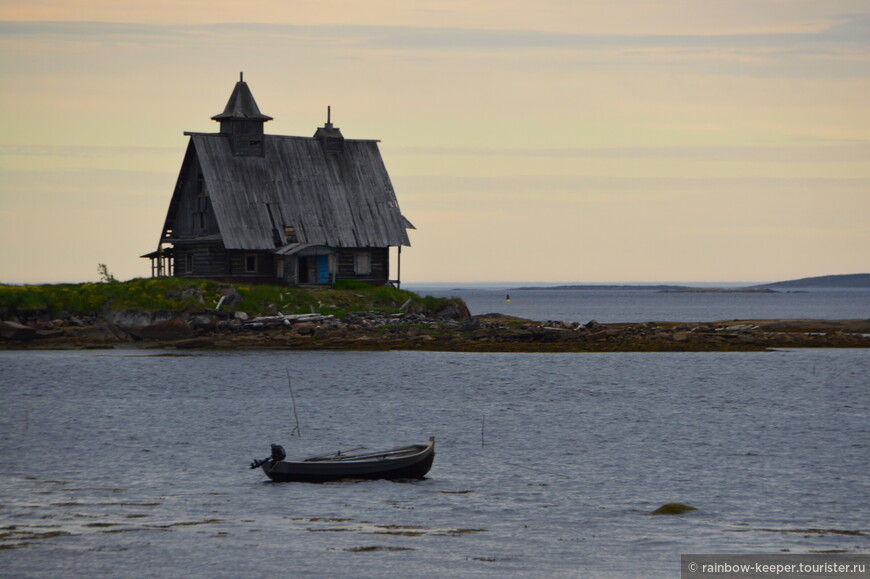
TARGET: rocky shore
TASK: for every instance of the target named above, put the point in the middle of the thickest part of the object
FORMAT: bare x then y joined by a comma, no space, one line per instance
450,330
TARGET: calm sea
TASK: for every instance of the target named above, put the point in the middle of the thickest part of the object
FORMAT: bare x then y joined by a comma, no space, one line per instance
636,305
132,463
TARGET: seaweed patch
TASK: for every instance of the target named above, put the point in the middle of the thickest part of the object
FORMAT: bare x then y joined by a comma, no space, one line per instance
374,548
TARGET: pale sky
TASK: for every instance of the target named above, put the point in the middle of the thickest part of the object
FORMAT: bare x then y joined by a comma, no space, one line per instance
547,141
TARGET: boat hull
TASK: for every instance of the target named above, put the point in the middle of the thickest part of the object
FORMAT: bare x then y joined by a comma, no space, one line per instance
412,466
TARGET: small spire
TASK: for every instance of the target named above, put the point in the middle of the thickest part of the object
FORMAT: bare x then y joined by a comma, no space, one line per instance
241,76
242,105
329,132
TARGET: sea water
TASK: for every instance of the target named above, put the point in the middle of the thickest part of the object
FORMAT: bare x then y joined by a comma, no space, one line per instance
134,463
646,305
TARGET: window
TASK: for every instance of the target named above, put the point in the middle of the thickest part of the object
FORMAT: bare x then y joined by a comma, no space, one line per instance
251,263
362,263
201,211
188,263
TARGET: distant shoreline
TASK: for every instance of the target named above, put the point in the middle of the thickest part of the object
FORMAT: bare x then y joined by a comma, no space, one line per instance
851,281
655,288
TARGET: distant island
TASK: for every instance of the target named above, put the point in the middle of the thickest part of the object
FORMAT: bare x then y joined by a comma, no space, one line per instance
608,287
851,281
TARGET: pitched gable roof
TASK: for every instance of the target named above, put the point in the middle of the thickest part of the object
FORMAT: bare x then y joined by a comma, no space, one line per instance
343,199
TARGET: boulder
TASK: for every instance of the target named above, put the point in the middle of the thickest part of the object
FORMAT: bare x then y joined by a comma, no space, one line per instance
99,332
231,296
162,325
193,293
453,311
204,321
305,328
50,334
175,328
129,321
15,331
673,509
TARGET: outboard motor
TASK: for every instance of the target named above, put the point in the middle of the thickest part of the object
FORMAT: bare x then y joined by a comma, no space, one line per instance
278,453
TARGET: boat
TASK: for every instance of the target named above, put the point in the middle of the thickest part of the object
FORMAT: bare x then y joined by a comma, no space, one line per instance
407,462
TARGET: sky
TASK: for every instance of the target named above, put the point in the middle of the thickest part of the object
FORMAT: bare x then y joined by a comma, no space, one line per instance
548,141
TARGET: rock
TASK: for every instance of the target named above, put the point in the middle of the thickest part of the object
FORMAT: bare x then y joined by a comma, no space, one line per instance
231,296
604,334
163,325
194,293
129,321
453,311
174,328
191,343
31,316
673,509
567,335
206,321
561,325
333,334
233,325
483,334
49,334
305,328
100,332
241,316
591,325
16,331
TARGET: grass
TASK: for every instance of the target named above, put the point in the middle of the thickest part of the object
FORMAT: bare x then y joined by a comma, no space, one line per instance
153,294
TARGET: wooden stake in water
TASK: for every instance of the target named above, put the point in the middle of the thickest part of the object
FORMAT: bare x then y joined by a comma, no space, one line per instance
482,431
293,398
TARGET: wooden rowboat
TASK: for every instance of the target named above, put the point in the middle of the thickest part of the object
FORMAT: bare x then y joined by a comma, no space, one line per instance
407,462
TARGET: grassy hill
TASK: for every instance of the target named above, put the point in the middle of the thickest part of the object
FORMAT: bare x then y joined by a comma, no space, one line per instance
153,294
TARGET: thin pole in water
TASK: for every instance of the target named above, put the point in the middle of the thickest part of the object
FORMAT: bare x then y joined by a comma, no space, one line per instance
482,431
293,398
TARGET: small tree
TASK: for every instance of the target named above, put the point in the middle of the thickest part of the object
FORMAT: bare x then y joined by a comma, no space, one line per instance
105,275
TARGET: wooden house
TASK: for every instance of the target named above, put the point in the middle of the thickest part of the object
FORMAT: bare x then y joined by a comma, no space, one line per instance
254,207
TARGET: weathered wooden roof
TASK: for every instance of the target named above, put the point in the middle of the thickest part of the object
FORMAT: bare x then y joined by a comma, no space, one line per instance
337,199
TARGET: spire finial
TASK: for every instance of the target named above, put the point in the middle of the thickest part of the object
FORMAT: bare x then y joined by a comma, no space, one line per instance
328,114
241,76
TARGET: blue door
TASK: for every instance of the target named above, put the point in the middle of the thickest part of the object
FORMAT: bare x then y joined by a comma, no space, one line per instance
322,269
